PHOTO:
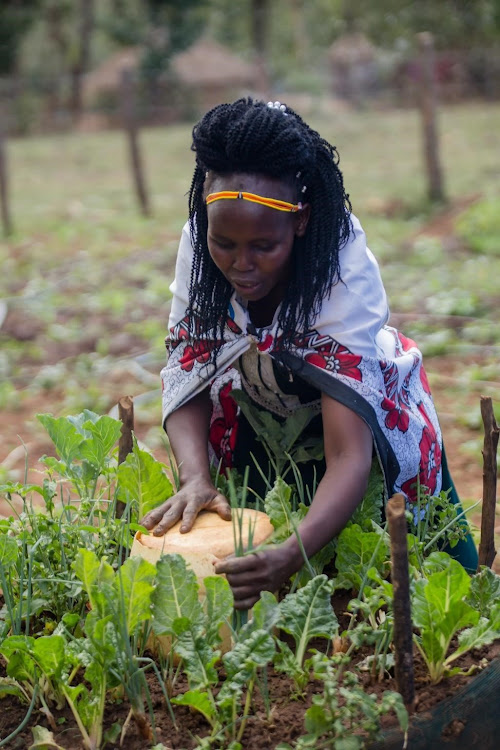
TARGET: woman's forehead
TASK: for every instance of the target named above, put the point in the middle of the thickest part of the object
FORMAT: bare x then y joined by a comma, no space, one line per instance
267,187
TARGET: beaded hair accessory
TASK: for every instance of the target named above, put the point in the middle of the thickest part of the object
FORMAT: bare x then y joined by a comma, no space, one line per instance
253,198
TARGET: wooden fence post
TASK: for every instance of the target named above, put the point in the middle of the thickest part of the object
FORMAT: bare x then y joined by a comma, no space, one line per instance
126,442
487,549
129,109
403,631
4,182
428,110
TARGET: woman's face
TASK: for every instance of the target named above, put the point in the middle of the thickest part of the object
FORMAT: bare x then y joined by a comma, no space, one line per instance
251,244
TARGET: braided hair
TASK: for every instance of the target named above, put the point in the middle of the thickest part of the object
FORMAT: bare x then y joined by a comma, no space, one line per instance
249,137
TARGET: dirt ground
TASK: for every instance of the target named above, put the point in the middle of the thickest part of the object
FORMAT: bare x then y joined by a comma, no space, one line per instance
284,723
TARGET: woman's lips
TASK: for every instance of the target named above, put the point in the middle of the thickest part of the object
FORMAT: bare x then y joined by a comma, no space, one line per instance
245,286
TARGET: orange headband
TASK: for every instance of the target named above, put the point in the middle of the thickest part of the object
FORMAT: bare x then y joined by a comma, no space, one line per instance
239,195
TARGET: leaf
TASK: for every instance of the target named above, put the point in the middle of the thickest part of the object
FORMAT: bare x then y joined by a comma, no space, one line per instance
8,551
220,601
49,653
97,577
357,551
43,739
65,436
142,478
370,508
266,615
316,721
317,563
175,595
278,507
11,687
104,433
242,662
309,613
197,700
484,591
485,632
264,425
199,658
439,611
294,426
285,661
435,562
133,587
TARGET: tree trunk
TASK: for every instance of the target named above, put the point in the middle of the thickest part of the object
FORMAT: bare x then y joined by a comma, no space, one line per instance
261,19
428,109
83,59
299,32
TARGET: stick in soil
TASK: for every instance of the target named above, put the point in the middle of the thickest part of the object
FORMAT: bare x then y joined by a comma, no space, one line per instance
487,549
403,629
126,442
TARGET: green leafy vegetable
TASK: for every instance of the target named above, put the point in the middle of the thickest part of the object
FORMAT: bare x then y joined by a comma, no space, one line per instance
440,611
143,479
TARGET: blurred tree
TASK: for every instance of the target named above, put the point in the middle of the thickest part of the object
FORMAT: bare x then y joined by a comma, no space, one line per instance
260,32
81,59
173,26
16,17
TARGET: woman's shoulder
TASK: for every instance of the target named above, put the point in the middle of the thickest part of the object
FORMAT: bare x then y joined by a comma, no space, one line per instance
358,265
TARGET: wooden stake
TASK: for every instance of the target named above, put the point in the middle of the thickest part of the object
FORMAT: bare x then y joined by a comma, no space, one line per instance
487,549
129,108
126,442
428,110
4,191
126,414
403,629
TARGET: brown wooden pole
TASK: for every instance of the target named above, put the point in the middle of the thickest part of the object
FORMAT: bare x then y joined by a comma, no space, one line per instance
4,182
129,109
403,629
126,414
126,442
487,551
428,110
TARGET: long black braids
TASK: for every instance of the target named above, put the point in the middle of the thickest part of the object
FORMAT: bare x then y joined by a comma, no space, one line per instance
250,137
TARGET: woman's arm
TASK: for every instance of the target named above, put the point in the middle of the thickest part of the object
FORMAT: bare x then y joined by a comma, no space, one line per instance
348,453
187,430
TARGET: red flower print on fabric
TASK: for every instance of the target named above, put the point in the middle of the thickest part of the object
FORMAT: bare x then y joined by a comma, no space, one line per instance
397,417
199,351
263,346
330,355
424,381
223,431
406,343
430,464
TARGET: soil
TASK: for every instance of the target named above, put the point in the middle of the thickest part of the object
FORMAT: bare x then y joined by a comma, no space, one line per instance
285,723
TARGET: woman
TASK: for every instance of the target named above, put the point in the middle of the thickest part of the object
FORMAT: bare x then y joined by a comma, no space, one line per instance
276,293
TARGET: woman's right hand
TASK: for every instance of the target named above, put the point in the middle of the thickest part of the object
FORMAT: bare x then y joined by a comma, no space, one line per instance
194,496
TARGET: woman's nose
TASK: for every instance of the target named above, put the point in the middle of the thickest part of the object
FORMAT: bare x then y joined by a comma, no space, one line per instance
243,260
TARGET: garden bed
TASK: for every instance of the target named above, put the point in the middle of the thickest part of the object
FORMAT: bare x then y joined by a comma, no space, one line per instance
286,722
79,613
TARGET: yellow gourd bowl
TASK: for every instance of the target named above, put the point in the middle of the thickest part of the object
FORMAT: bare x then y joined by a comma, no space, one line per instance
210,540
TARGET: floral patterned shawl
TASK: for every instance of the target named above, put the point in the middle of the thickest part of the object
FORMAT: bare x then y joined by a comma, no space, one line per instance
350,354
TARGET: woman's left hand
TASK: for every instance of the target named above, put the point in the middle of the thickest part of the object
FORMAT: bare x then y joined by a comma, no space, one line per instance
265,570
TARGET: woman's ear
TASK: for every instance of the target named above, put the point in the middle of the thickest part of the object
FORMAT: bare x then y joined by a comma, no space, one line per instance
301,220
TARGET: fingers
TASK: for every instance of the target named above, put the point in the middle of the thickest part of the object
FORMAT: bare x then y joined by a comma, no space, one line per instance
189,517
222,507
169,519
152,518
237,565
246,603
